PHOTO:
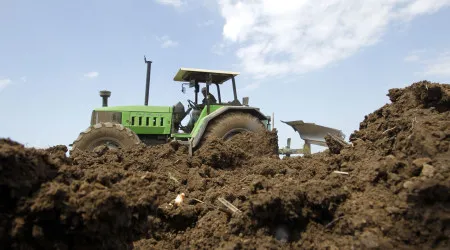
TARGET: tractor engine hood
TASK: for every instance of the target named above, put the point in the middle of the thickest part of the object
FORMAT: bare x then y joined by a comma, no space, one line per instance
114,114
150,109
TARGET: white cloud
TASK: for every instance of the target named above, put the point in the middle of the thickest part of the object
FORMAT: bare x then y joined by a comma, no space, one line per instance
4,83
433,64
218,49
251,86
206,23
23,79
166,42
420,7
173,3
92,74
439,66
412,58
276,37
415,55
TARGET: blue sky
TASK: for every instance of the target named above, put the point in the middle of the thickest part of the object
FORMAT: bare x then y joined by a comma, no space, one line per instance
327,62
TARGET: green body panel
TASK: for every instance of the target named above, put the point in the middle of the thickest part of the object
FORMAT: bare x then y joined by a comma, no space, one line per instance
153,123
199,122
148,120
202,117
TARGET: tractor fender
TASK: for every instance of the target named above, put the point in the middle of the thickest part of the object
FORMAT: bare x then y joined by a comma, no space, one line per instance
223,110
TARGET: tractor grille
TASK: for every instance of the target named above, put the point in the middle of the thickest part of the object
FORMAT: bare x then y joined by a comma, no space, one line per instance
147,121
106,116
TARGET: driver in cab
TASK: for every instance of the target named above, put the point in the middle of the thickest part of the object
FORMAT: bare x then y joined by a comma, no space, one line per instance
196,113
212,99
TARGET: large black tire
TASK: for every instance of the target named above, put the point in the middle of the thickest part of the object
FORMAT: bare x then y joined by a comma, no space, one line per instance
230,124
110,134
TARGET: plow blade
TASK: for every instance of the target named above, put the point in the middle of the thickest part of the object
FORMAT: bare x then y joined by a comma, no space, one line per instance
312,134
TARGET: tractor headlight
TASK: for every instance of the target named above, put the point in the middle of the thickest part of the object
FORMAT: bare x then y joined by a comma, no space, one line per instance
106,116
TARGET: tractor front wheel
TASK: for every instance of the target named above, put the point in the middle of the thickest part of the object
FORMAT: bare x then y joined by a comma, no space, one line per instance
111,135
231,124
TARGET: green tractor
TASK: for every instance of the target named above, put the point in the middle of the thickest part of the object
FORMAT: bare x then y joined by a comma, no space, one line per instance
125,126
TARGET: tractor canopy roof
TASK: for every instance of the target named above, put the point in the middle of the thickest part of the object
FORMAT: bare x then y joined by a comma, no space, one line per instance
201,75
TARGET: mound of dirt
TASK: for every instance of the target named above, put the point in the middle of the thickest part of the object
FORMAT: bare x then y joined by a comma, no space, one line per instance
388,189
22,171
54,203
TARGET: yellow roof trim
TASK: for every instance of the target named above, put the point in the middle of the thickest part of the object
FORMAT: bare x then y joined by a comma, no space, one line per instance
218,76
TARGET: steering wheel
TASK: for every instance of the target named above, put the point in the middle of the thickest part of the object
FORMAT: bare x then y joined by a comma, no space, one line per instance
192,104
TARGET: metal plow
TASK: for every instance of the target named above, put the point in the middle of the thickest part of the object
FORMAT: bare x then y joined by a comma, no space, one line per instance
311,133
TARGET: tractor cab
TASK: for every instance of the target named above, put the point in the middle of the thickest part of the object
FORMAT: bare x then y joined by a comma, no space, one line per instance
209,79
207,91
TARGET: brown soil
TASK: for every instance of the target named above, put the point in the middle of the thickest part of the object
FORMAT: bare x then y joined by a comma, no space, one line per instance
396,193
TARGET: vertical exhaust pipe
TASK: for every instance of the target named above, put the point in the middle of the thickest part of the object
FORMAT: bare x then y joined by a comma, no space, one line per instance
147,80
105,94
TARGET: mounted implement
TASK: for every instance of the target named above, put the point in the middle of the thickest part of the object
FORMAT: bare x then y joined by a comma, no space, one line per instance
125,126
311,134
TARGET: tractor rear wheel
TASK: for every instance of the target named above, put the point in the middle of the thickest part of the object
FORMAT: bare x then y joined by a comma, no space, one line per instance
108,134
231,124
